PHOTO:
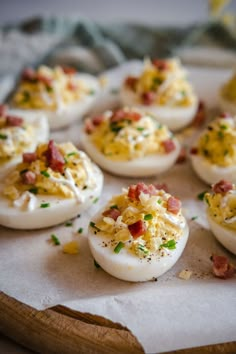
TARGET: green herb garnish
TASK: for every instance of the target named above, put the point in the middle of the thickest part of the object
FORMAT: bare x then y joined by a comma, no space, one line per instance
80,230
92,224
201,195
23,171
114,206
92,92
171,245
194,218
226,152
148,217
49,88
220,134
45,205
143,249
71,153
26,97
224,127
119,247
45,173
68,223
33,190
114,91
3,136
140,129
95,200
55,240
96,264
159,201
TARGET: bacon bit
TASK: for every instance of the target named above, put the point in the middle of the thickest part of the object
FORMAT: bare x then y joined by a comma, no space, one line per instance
163,186
3,110
121,114
112,213
13,121
45,80
69,70
72,86
222,268
173,205
148,98
200,115
29,157
194,151
131,82
168,145
182,155
135,190
54,157
160,64
88,126
97,120
137,229
28,74
28,177
225,115
222,187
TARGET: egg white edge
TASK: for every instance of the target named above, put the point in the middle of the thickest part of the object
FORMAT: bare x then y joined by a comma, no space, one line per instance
211,173
226,236
141,167
175,118
127,266
60,210
40,123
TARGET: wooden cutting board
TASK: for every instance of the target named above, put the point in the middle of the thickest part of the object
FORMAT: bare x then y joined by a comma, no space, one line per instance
62,330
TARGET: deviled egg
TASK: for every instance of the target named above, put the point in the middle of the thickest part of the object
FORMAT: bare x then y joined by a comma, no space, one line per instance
214,154
19,132
127,142
227,96
221,213
50,186
162,89
140,234
60,93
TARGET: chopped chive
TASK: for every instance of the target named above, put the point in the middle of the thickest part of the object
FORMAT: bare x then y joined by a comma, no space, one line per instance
45,205
143,249
49,88
201,195
95,200
92,224
80,230
23,171
116,129
26,97
148,217
140,129
33,190
220,134
55,240
171,245
224,127
45,173
3,136
114,91
119,247
114,206
183,93
194,218
226,152
71,153
66,161
92,92
68,223
159,201
96,264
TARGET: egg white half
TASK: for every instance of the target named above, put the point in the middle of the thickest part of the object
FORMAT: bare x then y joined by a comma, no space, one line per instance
129,267
225,235
175,118
40,123
74,111
140,167
60,209
211,173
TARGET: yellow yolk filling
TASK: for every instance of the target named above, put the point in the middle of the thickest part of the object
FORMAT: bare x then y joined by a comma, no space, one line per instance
162,227
222,208
48,181
170,85
39,95
128,140
228,91
218,143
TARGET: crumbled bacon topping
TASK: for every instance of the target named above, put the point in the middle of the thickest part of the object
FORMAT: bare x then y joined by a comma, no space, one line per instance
168,145
29,157
54,157
200,115
222,268
13,121
148,98
29,177
135,190
137,229
121,114
173,205
222,187
160,64
112,213
131,82
182,155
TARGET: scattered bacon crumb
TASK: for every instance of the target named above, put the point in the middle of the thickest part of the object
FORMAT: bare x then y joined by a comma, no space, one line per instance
131,82
97,120
14,121
225,115
148,97
29,157
182,155
222,268
68,70
222,187
28,74
112,213
45,80
173,205
160,64
72,86
135,190
168,145
200,115
88,126
121,114
162,186
137,229
28,177
3,110
194,151
54,157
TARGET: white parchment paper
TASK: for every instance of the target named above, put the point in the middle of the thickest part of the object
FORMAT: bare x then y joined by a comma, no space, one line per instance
164,315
